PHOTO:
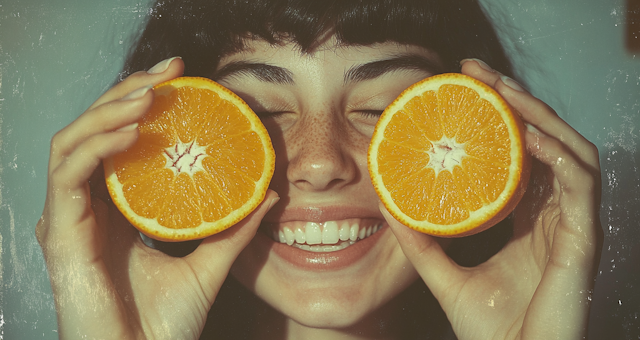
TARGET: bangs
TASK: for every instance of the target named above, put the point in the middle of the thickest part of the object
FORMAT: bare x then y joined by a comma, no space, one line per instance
202,31
353,22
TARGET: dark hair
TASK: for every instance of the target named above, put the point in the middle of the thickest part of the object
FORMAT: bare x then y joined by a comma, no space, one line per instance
202,31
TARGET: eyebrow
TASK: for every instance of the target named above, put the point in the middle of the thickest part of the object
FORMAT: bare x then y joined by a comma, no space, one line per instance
377,68
367,71
261,71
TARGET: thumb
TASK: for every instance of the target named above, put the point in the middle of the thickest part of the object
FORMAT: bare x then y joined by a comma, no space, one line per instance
213,258
426,254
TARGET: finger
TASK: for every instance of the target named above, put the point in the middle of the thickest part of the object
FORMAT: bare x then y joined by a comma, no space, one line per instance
478,69
212,260
162,71
544,118
426,254
571,171
71,175
577,186
120,114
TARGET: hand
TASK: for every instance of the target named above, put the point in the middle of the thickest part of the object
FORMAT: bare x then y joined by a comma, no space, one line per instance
539,285
105,281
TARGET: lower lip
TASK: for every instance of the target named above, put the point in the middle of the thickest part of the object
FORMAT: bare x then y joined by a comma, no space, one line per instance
335,260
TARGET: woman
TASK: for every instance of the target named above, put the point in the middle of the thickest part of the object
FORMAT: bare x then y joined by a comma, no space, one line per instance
319,74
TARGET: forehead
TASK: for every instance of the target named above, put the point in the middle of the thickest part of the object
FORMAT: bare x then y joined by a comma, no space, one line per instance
329,51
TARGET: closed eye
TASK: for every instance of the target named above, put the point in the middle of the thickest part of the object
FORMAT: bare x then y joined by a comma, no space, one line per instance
371,113
270,114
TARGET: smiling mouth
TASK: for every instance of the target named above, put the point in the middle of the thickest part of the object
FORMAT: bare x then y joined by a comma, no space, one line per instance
328,236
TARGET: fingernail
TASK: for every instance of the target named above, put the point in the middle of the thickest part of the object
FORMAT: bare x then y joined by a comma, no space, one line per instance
512,83
129,127
137,93
161,66
480,62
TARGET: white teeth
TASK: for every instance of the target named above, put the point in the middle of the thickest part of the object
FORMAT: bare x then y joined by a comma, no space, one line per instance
326,237
330,233
289,236
313,233
344,231
300,235
353,233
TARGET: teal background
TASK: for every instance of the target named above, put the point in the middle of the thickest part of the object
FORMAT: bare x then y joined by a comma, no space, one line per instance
58,56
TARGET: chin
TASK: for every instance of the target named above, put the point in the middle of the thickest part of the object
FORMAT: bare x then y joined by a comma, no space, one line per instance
325,313
334,290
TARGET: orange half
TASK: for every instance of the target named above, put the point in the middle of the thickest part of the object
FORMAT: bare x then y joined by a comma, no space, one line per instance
448,157
202,162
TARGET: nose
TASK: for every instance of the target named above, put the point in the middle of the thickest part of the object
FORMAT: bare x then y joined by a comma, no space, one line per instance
321,154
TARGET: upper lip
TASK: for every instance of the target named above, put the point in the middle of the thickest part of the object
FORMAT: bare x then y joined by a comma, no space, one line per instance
321,214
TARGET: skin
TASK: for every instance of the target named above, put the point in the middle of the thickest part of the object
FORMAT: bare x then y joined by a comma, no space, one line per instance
105,279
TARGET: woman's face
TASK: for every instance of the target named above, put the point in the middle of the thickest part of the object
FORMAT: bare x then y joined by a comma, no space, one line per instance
320,109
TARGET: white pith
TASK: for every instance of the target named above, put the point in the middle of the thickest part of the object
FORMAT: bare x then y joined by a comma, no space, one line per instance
324,237
445,154
185,157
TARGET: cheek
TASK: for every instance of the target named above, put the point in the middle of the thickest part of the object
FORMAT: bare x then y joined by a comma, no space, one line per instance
279,182
360,143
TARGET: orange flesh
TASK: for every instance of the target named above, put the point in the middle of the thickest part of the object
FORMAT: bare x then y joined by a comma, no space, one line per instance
455,112
176,198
